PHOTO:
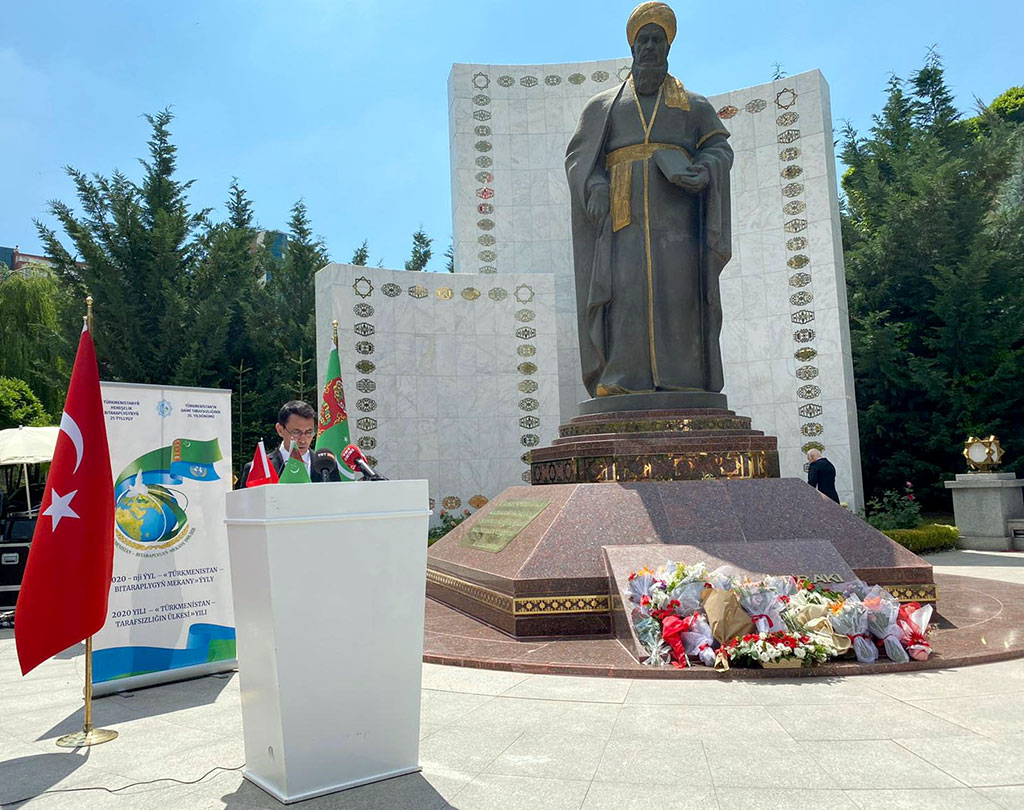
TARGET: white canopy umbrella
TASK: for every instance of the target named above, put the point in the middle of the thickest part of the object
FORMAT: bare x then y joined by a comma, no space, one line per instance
27,445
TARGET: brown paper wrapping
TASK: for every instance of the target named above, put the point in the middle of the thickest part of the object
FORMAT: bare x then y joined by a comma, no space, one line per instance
814,621
727,619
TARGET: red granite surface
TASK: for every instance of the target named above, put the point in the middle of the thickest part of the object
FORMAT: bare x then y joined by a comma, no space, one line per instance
979,620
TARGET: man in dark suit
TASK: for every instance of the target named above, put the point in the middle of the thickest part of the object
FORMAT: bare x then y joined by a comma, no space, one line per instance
821,475
296,422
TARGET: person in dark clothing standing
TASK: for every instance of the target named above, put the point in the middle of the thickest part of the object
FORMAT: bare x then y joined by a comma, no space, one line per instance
821,475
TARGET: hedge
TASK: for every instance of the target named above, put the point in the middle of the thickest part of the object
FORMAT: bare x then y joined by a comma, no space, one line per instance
925,540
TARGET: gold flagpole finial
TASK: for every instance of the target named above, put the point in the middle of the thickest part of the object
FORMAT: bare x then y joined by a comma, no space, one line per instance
88,312
334,324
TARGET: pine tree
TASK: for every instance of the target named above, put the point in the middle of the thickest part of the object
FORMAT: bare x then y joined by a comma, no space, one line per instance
449,256
420,250
362,254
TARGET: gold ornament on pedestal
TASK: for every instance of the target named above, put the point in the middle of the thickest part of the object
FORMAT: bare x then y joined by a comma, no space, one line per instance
982,454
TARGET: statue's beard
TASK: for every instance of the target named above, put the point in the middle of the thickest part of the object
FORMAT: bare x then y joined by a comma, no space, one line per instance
647,79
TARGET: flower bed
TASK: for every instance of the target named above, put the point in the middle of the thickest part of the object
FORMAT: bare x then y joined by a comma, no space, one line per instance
722,621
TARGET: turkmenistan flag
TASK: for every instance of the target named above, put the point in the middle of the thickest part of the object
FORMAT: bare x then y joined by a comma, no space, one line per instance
333,432
294,470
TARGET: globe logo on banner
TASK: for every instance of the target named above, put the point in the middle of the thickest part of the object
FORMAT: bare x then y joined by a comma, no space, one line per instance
163,407
150,516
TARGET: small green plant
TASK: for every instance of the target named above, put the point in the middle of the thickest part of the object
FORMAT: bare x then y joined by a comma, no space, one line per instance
894,510
926,540
448,522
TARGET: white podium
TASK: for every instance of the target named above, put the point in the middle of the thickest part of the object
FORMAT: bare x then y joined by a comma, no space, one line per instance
329,586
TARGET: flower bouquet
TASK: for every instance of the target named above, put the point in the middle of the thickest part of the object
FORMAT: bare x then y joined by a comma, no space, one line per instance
809,613
913,620
785,587
851,618
697,639
762,604
684,583
883,611
776,650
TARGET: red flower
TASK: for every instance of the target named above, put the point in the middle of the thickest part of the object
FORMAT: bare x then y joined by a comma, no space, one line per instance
810,586
632,576
645,600
910,497
909,485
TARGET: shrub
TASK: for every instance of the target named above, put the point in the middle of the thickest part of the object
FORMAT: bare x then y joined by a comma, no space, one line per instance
448,522
895,511
925,540
19,406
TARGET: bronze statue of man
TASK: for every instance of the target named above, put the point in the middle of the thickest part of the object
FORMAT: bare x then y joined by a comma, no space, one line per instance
648,171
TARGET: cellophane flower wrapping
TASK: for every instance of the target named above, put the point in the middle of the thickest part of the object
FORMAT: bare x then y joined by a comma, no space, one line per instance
697,639
648,630
883,611
785,587
721,578
763,606
851,619
913,620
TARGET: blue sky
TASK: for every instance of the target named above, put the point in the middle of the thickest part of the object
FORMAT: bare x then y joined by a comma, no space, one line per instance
344,104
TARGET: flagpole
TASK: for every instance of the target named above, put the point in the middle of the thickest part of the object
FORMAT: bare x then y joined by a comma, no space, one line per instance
88,735
334,324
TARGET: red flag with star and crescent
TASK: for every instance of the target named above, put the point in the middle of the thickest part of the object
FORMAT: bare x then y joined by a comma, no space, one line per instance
63,597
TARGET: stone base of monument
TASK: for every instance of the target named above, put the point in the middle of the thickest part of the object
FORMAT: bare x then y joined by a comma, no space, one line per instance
531,563
655,445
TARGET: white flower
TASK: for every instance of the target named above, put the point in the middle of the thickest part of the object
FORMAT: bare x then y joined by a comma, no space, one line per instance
799,652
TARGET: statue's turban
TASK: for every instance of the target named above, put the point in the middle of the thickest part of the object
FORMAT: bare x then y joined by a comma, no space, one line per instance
652,12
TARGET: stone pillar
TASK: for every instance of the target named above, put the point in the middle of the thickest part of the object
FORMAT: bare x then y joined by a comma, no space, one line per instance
982,505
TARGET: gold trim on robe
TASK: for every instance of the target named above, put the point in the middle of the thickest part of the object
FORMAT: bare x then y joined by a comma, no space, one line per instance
620,168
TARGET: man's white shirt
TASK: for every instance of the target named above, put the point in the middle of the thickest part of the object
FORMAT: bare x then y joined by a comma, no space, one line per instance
307,458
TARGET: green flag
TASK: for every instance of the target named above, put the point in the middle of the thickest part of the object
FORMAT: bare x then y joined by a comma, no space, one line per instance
294,470
333,428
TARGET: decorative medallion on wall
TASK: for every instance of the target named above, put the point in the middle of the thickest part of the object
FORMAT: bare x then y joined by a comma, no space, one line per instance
482,146
803,335
366,386
806,373
525,476
789,153
799,279
529,422
727,112
364,347
528,81
529,440
363,287
418,291
785,98
497,294
801,299
481,100
485,224
488,270
577,78
367,443
371,460
487,255
787,119
486,240
623,73
526,457
808,392
525,315
528,404
524,293
809,411
528,386
808,446
526,333
795,226
796,243
485,193
798,262
756,105
481,81
526,350
478,501
802,316
811,428
451,502
506,81
552,80
485,208
366,367
482,115
794,207
363,329
792,190
366,423
470,293
484,162
482,131
445,293
365,405
791,172
527,368
789,136
805,354
391,290
599,75
431,502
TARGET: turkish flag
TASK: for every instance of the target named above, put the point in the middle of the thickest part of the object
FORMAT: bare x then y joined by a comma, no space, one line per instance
262,471
63,597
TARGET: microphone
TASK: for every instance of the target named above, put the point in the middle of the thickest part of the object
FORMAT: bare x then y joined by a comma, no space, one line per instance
325,469
355,459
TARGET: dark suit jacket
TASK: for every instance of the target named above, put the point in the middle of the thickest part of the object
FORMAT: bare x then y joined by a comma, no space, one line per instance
822,475
319,466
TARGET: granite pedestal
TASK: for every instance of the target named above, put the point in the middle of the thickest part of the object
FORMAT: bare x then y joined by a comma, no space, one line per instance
983,503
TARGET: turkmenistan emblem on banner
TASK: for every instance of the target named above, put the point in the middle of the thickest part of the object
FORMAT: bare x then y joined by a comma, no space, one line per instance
150,517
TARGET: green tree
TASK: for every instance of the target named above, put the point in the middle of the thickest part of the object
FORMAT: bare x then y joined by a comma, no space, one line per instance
19,406
932,231
420,250
362,254
449,258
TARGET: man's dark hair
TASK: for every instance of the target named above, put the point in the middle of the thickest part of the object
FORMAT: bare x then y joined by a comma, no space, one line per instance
297,408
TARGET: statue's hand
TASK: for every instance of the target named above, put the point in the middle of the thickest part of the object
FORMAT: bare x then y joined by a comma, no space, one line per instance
694,179
599,204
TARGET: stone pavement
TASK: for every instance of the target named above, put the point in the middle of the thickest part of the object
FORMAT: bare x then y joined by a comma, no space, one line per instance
507,741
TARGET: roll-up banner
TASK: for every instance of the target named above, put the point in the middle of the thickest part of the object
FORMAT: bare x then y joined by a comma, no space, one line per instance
170,615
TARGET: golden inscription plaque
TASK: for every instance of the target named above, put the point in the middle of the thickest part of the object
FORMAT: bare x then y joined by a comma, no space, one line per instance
502,525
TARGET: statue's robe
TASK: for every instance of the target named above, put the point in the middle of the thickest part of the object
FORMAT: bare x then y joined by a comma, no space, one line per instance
647,292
